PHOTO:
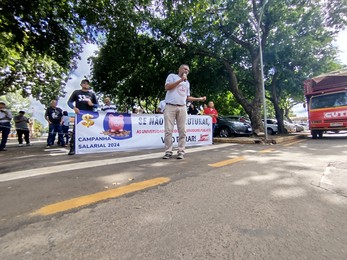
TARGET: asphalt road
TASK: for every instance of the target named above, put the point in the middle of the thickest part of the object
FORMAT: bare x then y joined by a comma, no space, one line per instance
224,201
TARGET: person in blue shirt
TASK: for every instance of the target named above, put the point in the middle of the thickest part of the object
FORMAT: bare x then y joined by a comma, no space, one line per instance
66,125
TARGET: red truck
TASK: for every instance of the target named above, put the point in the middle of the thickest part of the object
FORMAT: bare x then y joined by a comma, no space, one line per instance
326,96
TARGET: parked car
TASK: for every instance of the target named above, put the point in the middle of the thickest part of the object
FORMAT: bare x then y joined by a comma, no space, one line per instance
272,127
227,127
240,119
299,128
291,128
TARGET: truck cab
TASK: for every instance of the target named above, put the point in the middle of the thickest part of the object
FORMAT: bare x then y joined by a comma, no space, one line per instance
326,96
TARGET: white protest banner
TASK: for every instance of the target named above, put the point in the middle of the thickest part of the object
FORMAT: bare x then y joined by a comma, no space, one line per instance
107,132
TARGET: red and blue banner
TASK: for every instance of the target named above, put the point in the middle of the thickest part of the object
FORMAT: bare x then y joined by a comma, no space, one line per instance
108,132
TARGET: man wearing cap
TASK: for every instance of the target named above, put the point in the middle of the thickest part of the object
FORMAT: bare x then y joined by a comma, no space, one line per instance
21,123
5,125
81,99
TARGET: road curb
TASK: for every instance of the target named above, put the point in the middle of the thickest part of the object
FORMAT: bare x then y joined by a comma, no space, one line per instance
282,139
251,140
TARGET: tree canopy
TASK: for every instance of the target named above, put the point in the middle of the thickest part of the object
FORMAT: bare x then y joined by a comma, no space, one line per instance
142,41
219,40
39,45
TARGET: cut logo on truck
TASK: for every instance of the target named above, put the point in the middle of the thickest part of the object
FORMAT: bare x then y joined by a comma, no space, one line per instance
335,114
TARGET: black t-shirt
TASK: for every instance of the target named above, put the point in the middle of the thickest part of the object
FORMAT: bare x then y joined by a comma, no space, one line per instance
192,111
81,98
54,114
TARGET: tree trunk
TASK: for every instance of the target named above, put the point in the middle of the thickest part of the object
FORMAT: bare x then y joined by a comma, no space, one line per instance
278,111
253,108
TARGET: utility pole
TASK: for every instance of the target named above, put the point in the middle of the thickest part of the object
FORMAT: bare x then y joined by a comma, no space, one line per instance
262,69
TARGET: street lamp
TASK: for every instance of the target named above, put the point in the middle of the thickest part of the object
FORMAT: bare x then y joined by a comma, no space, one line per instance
262,69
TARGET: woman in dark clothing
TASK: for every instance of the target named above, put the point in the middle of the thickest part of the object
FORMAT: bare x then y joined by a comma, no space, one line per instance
192,110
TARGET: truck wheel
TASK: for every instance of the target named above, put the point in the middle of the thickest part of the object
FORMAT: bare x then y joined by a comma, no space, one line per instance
270,131
314,134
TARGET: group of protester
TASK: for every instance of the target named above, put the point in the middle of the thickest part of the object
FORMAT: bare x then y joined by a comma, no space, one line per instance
59,120
177,89
58,123
21,125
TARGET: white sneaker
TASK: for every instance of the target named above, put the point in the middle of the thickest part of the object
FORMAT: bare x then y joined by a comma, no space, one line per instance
167,155
20,145
180,156
29,144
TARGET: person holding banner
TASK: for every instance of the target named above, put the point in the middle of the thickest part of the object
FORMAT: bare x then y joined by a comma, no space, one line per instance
177,93
82,99
108,106
212,112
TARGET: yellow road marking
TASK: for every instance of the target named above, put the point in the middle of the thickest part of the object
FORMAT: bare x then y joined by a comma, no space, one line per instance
269,150
226,162
99,196
295,142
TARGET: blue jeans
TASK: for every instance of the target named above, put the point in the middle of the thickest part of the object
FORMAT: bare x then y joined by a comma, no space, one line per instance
5,129
53,130
66,133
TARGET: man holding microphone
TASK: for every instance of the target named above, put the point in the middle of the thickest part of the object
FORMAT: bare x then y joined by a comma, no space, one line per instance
177,94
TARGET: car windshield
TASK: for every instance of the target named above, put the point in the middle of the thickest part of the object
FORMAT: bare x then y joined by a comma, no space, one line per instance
270,121
238,118
235,122
328,100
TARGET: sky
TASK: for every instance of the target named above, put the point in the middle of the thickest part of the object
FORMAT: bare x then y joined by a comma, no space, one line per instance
341,42
83,69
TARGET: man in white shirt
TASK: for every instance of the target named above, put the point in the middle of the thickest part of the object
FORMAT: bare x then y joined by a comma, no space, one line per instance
177,93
